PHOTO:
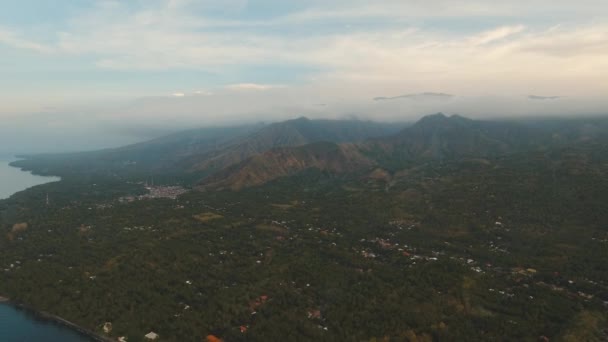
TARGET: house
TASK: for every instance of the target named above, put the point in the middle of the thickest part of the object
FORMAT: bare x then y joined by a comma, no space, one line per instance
212,338
152,336
107,327
122,339
314,314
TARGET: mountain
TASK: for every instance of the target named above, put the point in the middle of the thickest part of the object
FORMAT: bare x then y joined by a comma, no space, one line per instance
282,162
439,137
238,157
434,138
159,155
292,133
201,152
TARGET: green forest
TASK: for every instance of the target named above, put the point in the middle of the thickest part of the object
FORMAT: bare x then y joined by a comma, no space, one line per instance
505,249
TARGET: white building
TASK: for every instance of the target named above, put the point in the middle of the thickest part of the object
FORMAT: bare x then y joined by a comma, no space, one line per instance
151,336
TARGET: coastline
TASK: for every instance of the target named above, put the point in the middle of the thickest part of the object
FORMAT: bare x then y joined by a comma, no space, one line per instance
14,163
57,320
16,179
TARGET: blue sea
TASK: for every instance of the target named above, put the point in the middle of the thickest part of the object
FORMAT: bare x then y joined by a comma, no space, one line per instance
17,325
13,180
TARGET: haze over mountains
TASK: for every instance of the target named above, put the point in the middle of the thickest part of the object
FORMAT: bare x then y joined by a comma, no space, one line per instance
207,149
296,132
434,138
242,156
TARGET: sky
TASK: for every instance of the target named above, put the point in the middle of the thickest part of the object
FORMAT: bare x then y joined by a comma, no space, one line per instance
82,74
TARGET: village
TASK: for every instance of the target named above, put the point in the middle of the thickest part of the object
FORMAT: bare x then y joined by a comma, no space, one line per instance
395,242
154,192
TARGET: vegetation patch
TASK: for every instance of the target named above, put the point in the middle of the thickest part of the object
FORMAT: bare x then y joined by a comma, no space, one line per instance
16,230
271,228
282,206
206,217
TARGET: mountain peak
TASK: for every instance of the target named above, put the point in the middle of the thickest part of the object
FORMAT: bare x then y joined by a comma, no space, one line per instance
432,120
436,116
440,119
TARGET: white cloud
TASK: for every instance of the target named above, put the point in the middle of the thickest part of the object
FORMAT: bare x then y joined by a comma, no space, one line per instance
12,39
252,86
387,9
384,51
496,34
203,93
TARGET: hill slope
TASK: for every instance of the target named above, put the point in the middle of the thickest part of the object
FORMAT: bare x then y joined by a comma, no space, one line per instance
292,133
201,152
282,162
434,138
438,137
159,155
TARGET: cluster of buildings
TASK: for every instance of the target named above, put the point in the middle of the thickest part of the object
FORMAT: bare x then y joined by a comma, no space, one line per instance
170,192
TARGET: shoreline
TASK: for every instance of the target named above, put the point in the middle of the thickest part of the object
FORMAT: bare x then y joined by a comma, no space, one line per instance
33,172
57,320
20,179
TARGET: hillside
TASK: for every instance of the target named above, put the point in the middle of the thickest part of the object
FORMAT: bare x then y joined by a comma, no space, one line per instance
292,133
439,137
200,152
433,139
156,156
282,162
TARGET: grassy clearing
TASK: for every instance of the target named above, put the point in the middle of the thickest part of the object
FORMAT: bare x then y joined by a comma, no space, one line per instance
206,217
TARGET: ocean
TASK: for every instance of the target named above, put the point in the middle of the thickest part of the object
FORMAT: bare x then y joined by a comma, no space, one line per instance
17,325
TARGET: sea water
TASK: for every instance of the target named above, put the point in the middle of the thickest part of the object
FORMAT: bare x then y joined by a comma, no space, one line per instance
17,325
13,180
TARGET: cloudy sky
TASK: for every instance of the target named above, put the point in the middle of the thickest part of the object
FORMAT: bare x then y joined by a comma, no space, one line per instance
91,70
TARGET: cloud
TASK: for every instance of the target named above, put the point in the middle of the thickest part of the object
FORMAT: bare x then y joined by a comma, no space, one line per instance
203,93
496,34
153,38
252,86
411,9
343,51
178,94
537,97
419,96
561,42
12,39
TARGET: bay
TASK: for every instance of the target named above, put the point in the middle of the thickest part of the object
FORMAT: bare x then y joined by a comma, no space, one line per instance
13,180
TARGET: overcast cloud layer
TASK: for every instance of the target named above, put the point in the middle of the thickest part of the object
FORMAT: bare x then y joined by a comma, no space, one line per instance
139,65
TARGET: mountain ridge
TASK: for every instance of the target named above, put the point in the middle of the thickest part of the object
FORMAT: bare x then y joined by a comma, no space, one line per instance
202,151
296,132
434,138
